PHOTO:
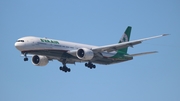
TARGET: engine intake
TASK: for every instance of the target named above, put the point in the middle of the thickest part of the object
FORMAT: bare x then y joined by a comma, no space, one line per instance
85,54
39,60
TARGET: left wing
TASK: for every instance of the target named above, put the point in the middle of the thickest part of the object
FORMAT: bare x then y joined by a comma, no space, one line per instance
115,47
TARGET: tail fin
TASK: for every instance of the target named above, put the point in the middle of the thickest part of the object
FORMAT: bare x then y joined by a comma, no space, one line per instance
125,38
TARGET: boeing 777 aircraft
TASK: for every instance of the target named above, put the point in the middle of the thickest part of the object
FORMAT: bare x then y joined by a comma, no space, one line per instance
45,50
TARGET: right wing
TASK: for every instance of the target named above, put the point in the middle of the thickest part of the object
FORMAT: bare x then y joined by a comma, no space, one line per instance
115,47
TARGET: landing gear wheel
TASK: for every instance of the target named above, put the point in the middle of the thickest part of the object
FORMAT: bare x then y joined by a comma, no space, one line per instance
61,68
25,59
68,69
86,64
65,69
94,66
90,65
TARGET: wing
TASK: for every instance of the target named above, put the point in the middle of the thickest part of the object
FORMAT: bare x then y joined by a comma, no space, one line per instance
115,47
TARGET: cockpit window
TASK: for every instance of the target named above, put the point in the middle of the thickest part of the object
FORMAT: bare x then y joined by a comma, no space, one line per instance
20,40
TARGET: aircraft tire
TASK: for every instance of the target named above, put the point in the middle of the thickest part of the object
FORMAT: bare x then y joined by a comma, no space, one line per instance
61,68
25,59
86,64
68,69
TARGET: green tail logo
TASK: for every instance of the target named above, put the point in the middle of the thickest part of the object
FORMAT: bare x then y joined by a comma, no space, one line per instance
125,38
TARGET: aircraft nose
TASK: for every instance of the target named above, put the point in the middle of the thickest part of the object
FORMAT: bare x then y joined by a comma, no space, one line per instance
17,45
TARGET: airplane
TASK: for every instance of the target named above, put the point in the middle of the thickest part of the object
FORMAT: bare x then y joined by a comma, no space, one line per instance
44,50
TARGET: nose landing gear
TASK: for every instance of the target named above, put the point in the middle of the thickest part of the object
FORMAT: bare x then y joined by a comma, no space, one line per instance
25,57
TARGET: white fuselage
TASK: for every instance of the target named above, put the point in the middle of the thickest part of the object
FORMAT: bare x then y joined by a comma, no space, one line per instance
36,43
44,50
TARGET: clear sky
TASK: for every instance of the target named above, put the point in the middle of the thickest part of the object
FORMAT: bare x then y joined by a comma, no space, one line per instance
153,77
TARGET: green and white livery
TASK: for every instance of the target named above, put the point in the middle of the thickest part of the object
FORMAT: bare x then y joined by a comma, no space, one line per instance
44,50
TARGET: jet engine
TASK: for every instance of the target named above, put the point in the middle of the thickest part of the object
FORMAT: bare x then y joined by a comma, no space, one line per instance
39,60
85,54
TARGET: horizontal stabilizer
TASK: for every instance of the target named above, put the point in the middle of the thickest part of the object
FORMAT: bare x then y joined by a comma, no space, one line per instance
138,54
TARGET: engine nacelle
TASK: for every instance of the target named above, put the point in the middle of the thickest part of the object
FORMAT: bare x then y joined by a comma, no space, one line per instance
39,60
85,54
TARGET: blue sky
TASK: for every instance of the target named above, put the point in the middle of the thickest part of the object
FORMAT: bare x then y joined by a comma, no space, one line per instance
153,77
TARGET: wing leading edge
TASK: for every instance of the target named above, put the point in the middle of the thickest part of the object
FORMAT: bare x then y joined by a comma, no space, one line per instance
115,47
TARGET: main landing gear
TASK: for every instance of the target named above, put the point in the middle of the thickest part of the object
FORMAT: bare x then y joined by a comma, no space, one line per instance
90,65
64,67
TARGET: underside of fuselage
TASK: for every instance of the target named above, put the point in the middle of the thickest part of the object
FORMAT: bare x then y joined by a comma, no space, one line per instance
60,55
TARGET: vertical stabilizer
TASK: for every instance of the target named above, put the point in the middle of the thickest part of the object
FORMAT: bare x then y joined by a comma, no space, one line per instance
125,38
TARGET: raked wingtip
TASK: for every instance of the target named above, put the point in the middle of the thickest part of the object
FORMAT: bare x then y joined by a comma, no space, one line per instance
165,34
